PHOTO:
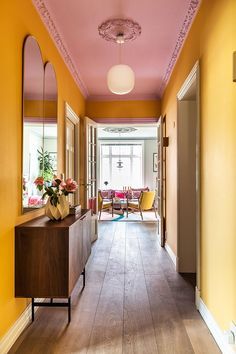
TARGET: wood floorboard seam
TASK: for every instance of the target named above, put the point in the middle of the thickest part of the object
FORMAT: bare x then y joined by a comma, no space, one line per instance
95,313
123,327
141,256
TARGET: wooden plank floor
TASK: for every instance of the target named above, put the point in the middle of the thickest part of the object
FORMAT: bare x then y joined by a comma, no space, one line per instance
133,302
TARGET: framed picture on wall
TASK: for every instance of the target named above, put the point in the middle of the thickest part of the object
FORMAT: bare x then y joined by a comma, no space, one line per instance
155,162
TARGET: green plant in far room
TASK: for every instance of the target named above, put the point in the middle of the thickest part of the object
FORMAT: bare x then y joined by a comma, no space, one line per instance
45,165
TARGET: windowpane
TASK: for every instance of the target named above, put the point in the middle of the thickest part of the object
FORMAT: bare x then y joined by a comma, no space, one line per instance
137,173
137,150
125,149
121,176
115,150
132,167
105,170
105,149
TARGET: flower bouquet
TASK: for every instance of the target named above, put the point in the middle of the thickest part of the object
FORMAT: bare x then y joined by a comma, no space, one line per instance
57,206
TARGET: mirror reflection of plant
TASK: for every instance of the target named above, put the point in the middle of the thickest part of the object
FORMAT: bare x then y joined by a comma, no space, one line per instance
45,165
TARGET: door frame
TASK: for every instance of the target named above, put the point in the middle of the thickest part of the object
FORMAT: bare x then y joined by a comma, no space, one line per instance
194,76
87,123
72,116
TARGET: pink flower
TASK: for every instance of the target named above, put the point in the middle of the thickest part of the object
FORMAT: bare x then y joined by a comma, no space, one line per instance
39,181
71,185
62,185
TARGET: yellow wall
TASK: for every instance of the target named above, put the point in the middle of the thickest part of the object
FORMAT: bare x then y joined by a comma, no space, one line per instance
123,109
34,108
17,19
212,39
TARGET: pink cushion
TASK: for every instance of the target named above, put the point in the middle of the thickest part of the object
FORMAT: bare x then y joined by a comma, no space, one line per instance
120,194
107,194
136,192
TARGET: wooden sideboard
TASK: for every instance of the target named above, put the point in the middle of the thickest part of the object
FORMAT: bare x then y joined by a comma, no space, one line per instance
50,256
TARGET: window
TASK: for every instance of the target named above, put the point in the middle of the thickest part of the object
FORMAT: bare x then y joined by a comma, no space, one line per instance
131,174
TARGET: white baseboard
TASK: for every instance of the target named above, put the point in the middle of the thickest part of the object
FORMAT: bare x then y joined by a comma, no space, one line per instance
171,254
159,238
15,331
197,297
218,335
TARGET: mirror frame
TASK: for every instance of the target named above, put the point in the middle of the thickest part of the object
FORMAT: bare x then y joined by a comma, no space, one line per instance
26,210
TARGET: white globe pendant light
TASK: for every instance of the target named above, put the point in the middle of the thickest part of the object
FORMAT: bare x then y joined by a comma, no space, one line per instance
120,79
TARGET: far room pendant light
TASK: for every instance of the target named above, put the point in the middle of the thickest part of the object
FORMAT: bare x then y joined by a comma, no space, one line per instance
120,77
119,162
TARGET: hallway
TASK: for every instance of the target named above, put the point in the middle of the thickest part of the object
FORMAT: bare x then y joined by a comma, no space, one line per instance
133,302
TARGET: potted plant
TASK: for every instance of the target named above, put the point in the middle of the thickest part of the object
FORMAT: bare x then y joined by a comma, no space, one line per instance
45,165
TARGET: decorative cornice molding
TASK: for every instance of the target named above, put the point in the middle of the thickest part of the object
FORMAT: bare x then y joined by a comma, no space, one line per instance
192,10
46,17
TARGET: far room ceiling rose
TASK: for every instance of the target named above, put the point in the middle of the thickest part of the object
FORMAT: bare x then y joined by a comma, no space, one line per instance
120,77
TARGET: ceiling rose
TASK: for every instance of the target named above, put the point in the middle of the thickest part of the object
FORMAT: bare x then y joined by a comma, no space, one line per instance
119,130
129,29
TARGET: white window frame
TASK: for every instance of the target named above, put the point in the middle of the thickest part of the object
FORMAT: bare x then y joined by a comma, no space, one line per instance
119,142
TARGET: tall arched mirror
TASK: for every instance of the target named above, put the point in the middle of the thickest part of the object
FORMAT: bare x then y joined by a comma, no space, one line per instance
33,82
39,123
50,123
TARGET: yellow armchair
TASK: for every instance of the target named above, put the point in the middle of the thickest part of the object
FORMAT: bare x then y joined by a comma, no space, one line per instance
104,204
145,202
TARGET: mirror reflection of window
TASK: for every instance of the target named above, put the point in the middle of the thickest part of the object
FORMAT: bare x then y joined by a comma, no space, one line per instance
50,123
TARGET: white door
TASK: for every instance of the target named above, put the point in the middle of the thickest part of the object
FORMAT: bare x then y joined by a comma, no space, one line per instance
162,142
91,164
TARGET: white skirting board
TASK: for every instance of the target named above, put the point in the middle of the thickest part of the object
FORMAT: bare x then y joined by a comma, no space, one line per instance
7,341
219,336
172,255
159,238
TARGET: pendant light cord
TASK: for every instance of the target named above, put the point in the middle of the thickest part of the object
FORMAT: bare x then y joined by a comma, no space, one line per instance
120,53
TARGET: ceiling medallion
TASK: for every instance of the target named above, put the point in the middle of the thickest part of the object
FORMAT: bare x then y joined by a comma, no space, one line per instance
119,130
129,29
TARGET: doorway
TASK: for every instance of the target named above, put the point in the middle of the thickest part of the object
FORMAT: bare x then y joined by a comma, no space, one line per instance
126,157
188,177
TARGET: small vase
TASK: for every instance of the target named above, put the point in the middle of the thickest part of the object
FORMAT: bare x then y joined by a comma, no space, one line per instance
58,212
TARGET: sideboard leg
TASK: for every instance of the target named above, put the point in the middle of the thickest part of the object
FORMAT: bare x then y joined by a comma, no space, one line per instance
32,309
69,309
83,273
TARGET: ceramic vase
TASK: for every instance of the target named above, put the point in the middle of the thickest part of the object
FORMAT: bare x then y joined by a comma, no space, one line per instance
58,212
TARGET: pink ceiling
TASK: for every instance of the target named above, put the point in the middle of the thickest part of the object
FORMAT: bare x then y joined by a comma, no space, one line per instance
74,26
